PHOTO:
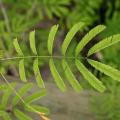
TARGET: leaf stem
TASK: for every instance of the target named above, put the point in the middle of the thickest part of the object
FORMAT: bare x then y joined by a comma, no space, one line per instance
55,57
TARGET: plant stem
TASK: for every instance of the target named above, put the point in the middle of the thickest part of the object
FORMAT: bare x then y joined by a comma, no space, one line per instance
27,57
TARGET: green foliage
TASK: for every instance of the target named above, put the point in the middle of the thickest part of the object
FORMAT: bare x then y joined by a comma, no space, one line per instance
70,76
37,73
104,43
85,11
51,38
60,7
70,35
32,42
96,30
22,70
83,70
112,72
56,76
17,47
20,98
90,77
75,58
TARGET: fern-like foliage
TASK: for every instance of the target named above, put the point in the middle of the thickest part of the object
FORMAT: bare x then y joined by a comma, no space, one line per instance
84,10
60,7
10,106
90,77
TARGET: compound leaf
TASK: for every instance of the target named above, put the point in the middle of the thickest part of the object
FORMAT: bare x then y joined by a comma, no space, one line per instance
70,36
17,47
90,77
104,43
6,95
89,36
56,76
70,76
37,74
38,109
32,42
35,96
51,38
106,69
22,71
22,91
20,115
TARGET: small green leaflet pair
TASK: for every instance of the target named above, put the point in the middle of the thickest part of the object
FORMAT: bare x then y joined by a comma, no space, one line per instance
93,81
26,102
35,64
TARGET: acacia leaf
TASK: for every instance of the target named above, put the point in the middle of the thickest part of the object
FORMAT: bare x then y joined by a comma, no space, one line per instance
32,42
97,84
6,95
38,76
20,115
56,76
51,38
104,43
22,70
89,36
5,98
17,47
6,116
35,96
106,69
37,108
22,91
70,36
70,76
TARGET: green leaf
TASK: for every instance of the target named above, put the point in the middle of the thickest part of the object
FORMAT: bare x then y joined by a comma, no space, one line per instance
6,95
56,76
70,76
5,98
23,90
90,77
22,71
89,36
20,115
17,47
104,43
35,96
38,76
70,36
38,109
106,69
6,116
32,42
51,38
